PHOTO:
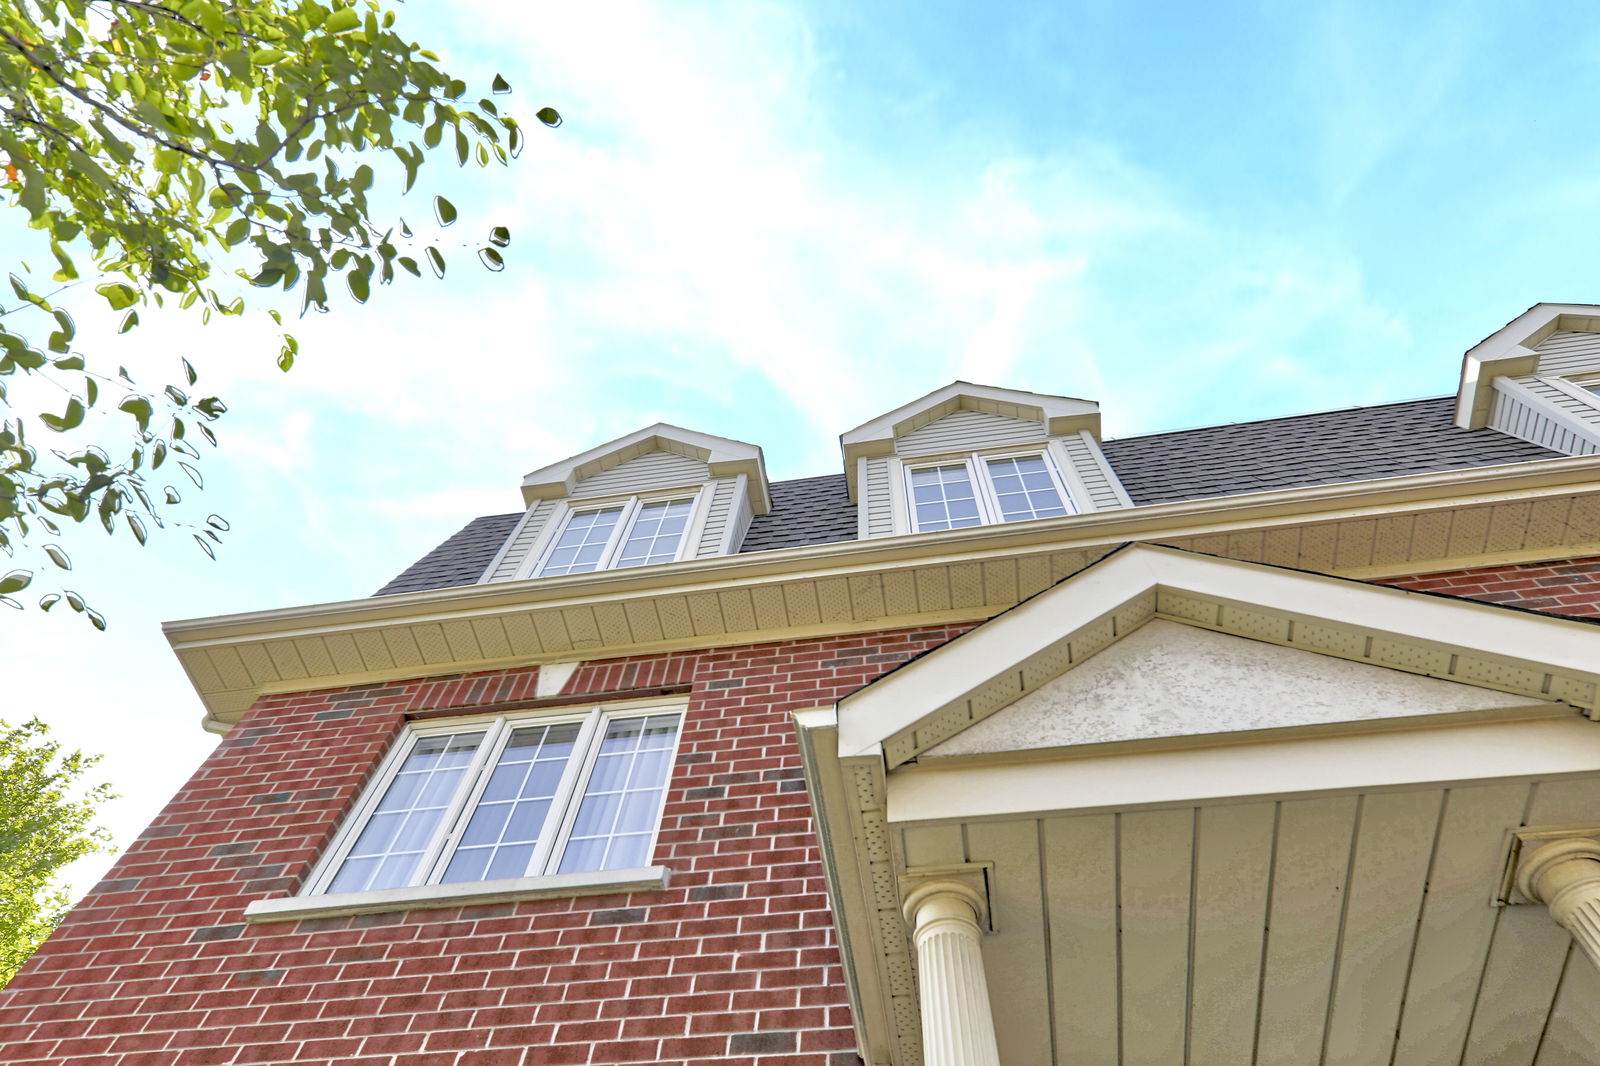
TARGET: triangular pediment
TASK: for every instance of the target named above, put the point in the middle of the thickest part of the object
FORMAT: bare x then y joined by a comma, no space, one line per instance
1408,643
1167,680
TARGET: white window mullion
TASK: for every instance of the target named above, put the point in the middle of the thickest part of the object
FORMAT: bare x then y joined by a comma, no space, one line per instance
565,804
454,822
619,535
983,489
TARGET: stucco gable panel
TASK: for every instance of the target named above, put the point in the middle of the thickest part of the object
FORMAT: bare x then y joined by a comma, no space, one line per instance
1167,679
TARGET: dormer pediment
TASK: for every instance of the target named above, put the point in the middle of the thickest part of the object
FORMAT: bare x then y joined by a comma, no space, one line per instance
1537,378
661,452
1048,416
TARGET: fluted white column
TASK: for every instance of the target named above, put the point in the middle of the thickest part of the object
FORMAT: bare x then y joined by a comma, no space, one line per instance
957,1024
1564,875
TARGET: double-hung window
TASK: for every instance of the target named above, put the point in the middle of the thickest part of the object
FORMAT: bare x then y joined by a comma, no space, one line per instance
979,490
632,532
509,797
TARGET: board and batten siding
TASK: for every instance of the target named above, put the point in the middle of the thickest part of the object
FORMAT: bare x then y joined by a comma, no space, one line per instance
650,471
1569,352
966,431
1333,929
1537,411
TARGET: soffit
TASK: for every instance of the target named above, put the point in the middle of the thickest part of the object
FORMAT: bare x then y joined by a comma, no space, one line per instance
1400,526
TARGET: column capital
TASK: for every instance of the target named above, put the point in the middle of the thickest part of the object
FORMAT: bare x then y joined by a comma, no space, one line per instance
1538,874
967,882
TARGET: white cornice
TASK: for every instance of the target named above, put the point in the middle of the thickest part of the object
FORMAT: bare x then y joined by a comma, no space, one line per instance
881,583
723,457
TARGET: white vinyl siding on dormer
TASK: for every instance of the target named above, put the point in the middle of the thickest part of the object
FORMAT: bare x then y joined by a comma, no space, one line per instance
1548,408
882,486
968,431
720,511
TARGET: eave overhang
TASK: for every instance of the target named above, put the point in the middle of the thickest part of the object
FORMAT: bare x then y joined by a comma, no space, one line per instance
1507,513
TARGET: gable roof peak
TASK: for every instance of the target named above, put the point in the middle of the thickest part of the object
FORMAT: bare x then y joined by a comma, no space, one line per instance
723,456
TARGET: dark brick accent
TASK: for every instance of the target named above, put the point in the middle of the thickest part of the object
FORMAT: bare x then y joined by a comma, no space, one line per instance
619,916
258,978
760,1043
216,932
707,893
709,792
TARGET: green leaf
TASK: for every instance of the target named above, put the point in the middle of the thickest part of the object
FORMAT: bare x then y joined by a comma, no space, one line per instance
491,259
435,260
549,116
343,20
16,581
58,556
445,210
499,85
117,295
359,286
129,320
265,57
139,533
500,236
139,408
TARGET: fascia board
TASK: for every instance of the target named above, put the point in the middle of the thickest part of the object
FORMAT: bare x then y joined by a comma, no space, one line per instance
1520,392
838,829
724,456
899,701
1509,350
1188,517
1472,752
876,437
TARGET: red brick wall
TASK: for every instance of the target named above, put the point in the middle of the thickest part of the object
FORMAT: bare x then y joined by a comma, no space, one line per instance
1566,586
734,962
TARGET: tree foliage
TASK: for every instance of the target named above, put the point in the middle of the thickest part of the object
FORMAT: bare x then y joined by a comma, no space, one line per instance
43,826
206,157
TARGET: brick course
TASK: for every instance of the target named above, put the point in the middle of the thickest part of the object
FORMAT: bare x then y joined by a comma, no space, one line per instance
735,962
1565,586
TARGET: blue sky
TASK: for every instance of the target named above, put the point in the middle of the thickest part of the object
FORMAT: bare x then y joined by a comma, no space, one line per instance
773,221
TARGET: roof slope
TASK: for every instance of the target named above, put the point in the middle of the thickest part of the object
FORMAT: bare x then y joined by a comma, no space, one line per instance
460,560
1353,444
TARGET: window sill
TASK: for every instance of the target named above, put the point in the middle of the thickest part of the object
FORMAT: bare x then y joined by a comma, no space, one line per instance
296,908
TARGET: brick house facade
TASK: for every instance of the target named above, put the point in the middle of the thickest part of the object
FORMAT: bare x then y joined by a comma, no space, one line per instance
786,610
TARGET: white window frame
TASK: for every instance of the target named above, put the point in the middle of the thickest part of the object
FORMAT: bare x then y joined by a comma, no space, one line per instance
632,505
977,464
563,806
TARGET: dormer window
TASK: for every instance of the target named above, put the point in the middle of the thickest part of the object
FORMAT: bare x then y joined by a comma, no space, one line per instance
985,490
634,532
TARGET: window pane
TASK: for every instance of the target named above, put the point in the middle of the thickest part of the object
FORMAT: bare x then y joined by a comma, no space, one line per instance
386,853
656,533
582,542
943,497
622,799
1025,489
511,812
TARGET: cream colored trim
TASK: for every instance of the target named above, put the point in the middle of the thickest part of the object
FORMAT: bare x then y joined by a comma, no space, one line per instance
1057,415
233,658
899,513
930,791
510,541
1093,444
916,707
1078,496
1570,387
860,896
1510,351
554,886
724,458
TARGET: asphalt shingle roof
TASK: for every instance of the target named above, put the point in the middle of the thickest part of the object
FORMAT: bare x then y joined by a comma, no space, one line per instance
1355,444
808,510
460,560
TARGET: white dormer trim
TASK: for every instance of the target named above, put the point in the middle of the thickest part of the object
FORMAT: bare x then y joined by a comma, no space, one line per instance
1510,350
723,457
1056,415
